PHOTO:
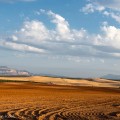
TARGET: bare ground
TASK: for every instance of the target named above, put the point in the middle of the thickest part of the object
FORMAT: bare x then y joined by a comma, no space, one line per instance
35,101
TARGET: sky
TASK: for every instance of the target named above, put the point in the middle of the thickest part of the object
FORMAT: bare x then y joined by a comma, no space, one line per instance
75,38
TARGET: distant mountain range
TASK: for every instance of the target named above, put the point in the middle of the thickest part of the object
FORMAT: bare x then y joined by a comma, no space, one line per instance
6,71
111,76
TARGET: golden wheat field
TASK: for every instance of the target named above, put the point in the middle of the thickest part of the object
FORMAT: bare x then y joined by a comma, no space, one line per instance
37,101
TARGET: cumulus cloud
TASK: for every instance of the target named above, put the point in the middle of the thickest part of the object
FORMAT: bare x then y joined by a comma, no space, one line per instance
36,32
62,26
35,36
111,36
111,4
33,31
108,8
115,16
90,8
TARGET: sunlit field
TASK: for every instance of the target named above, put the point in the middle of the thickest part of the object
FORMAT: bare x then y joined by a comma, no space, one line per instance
41,101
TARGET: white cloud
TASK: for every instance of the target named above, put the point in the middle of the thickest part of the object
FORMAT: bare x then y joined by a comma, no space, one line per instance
116,54
111,4
115,16
81,43
90,8
62,26
14,38
34,32
20,47
109,8
111,36
35,36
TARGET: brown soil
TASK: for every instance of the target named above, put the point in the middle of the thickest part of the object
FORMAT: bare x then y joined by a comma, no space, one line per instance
35,101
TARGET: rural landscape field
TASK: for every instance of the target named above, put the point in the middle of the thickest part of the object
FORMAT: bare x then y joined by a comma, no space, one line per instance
59,59
29,100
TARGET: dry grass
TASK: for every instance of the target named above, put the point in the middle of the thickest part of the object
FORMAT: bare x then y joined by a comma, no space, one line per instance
35,101
64,81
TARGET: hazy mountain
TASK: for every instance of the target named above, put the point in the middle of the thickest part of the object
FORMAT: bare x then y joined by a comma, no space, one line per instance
4,70
111,76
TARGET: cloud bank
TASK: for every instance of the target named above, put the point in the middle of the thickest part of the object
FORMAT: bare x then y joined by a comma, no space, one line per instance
35,36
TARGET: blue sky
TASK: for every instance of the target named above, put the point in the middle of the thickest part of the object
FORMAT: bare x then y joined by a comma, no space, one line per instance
76,38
